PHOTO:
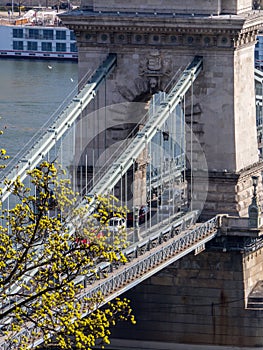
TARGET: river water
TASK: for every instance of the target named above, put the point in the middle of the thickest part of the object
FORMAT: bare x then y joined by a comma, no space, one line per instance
30,92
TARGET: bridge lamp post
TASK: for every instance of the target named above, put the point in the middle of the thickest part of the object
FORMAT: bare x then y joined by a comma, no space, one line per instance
255,185
136,225
165,135
254,210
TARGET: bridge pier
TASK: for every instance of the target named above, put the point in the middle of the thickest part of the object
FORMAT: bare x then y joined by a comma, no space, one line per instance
202,299
228,192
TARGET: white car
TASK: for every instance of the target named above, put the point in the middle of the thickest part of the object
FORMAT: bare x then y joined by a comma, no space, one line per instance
116,224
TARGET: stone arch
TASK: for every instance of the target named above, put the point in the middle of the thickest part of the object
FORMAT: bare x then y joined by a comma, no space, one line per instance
140,90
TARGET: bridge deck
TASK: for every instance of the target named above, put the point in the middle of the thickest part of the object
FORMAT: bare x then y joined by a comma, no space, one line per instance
145,259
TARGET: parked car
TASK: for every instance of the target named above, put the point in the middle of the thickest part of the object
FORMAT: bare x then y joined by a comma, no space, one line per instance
143,215
116,224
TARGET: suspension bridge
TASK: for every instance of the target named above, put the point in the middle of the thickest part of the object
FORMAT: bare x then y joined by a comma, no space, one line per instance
174,231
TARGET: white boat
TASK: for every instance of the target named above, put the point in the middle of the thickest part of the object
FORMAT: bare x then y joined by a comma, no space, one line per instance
38,34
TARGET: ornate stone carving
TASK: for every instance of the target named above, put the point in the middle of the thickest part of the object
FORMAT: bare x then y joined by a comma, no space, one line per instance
139,87
154,61
154,73
155,69
245,38
125,92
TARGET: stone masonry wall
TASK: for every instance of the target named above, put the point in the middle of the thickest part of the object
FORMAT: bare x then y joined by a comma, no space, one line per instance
164,6
253,270
223,119
244,62
200,300
155,5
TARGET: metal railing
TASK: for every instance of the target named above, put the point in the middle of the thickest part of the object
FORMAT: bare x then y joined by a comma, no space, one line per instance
154,252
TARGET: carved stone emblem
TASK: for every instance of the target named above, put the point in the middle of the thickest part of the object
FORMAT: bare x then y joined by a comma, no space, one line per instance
155,69
154,75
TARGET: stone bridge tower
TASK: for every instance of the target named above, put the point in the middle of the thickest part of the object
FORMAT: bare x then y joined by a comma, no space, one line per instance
153,41
201,299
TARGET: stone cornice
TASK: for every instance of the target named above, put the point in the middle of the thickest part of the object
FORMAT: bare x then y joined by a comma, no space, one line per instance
109,22
229,175
239,31
146,29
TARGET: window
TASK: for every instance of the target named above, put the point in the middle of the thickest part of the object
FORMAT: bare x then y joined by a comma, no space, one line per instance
18,45
73,47
46,46
72,35
61,35
32,45
61,47
17,33
48,34
33,34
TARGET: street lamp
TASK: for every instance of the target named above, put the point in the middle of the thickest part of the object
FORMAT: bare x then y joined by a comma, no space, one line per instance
136,225
254,210
255,184
165,135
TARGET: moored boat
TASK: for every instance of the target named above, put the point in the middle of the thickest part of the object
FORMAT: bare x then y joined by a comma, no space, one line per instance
38,34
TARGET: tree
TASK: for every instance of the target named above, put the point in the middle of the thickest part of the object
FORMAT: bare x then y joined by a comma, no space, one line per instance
46,241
